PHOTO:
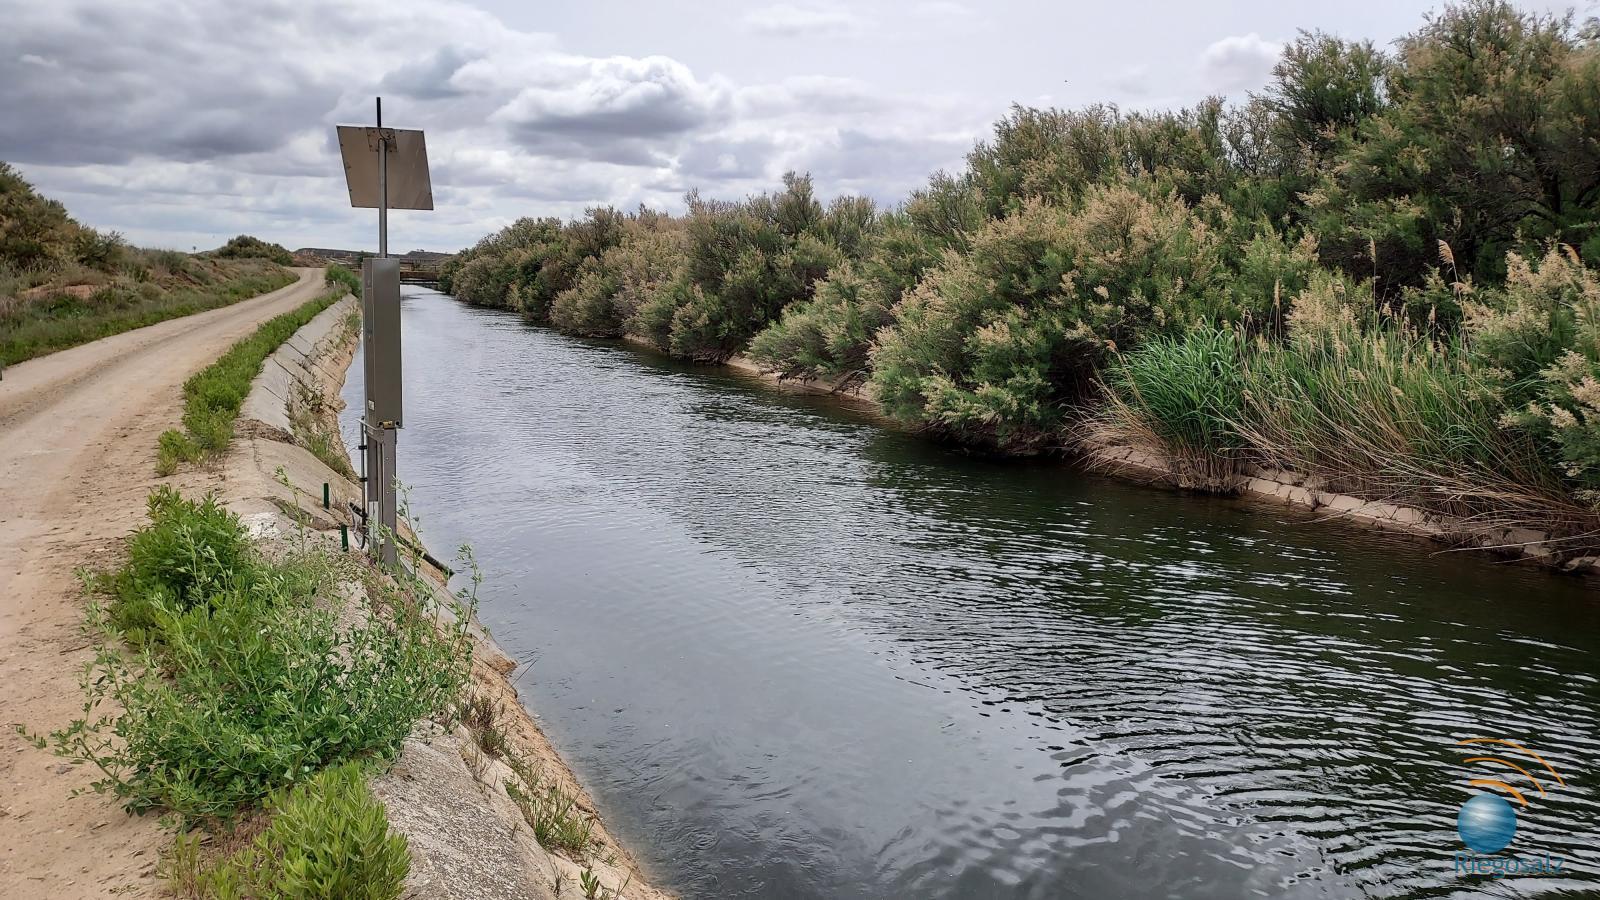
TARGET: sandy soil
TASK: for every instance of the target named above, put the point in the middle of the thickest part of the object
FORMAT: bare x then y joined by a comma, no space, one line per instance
77,457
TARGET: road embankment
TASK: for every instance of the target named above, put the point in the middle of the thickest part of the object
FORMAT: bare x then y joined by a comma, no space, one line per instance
488,807
78,431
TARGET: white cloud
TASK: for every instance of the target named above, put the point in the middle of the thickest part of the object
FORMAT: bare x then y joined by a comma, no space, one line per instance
1240,62
786,20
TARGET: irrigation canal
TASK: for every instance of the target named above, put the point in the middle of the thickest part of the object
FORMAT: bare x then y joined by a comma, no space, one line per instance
794,653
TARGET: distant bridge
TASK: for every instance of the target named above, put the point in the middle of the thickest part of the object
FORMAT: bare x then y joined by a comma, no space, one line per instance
413,272
415,267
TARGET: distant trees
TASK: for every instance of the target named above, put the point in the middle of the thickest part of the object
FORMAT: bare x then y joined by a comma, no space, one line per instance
1437,206
246,247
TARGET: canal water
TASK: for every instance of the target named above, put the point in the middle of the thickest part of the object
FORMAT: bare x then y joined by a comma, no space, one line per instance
795,653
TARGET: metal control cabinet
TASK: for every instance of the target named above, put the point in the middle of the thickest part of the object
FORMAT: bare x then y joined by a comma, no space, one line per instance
380,345
380,336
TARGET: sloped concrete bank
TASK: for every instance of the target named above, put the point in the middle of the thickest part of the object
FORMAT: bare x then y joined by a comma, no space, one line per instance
451,797
1271,486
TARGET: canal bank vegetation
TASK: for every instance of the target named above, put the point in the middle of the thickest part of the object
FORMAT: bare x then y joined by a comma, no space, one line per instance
1377,272
213,396
248,694
64,284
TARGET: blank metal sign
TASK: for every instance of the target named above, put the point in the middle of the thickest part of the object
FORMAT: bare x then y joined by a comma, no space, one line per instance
409,187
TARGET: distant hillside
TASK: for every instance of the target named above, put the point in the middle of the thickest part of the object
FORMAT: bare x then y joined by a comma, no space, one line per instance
36,232
63,283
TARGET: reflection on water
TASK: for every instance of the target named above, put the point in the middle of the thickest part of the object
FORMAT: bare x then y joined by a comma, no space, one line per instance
796,654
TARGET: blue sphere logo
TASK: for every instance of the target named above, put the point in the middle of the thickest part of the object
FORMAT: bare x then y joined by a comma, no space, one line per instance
1487,823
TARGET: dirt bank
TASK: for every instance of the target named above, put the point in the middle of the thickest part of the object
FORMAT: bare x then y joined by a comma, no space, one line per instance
446,794
78,435
1268,486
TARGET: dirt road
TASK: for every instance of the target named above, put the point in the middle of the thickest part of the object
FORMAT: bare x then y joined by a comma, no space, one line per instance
77,457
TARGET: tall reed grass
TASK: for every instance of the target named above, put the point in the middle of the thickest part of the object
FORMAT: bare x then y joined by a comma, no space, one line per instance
1374,409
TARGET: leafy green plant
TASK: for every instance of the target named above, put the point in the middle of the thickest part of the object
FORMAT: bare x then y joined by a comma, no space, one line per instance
192,551
262,684
595,889
337,276
327,837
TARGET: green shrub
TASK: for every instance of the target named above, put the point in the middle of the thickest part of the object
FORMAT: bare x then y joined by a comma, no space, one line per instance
337,276
1541,338
589,307
190,552
251,677
484,281
830,335
1546,308
35,233
1479,77
96,250
995,344
247,247
744,263
327,838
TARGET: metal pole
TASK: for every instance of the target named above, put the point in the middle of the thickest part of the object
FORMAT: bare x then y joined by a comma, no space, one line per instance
384,433
383,187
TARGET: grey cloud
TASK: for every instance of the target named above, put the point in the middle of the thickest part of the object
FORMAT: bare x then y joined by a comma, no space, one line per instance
625,111
180,120
109,84
885,166
813,97
429,78
720,158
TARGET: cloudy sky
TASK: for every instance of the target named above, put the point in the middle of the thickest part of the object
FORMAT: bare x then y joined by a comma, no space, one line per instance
180,123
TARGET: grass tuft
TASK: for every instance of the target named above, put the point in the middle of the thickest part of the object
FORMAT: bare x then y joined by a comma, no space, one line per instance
212,397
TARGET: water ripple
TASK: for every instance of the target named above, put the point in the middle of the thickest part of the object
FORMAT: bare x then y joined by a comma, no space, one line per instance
795,653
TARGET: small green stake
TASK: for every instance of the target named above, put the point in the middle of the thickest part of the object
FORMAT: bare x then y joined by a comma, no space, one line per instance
324,495
344,538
